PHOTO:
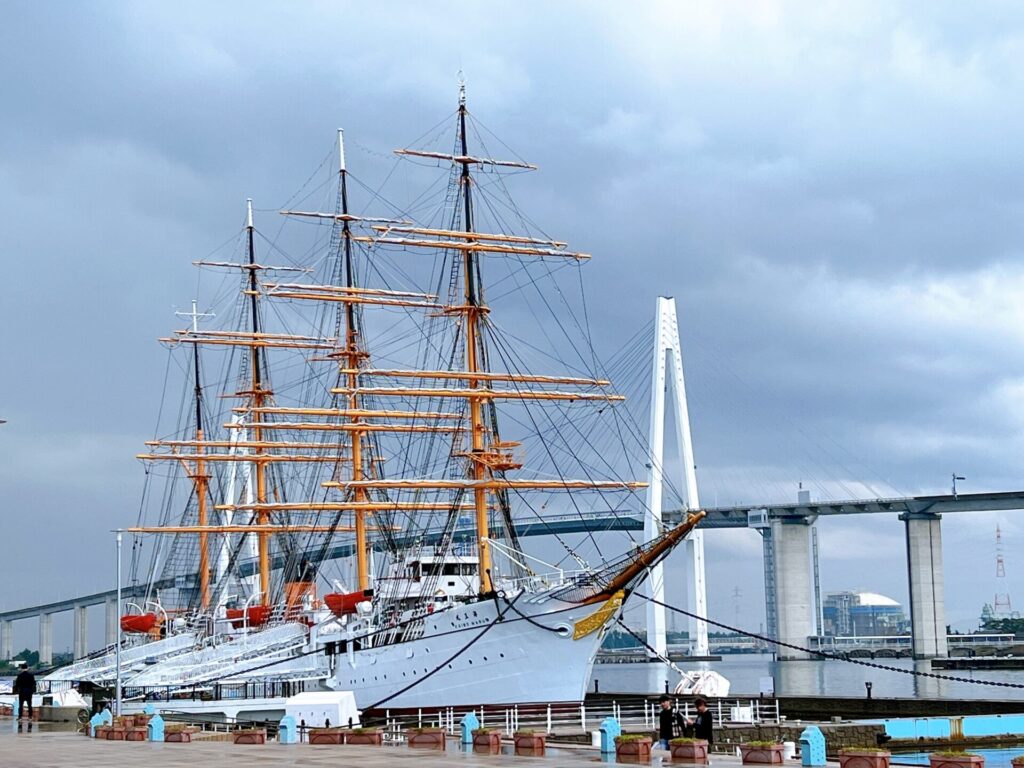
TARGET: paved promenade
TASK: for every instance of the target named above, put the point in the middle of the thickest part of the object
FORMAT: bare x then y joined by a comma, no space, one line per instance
46,749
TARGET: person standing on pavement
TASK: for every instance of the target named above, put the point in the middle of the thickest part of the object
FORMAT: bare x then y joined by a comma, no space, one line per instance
668,719
25,687
703,724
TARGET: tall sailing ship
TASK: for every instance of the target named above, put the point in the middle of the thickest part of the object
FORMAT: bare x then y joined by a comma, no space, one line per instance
363,419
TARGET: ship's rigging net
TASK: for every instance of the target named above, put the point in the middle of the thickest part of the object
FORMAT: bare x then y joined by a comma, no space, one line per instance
387,305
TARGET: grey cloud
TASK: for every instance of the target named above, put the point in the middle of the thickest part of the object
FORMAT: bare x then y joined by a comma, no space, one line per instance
798,180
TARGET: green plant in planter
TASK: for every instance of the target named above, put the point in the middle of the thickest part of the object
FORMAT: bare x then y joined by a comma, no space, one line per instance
630,737
684,740
871,750
956,753
482,731
525,733
761,744
365,730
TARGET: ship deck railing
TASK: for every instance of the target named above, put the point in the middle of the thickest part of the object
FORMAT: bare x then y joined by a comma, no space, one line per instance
255,689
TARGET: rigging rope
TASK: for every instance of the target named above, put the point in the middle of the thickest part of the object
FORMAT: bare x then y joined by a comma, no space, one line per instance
828,655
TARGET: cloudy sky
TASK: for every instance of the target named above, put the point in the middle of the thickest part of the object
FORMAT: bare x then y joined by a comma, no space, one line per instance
832,192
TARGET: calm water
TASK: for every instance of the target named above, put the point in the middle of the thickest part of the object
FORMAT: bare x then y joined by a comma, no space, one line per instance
809,678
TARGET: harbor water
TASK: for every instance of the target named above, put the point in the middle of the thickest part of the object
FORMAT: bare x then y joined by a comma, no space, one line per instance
815,678
994,758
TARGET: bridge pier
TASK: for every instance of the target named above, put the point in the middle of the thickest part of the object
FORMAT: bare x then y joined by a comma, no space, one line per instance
110,636
6,640
791,565
927,584
45,639
81,632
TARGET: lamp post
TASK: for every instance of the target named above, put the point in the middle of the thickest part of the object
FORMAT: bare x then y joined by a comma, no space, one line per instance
117,691
955,478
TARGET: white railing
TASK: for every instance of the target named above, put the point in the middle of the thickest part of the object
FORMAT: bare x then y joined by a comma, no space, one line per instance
633,715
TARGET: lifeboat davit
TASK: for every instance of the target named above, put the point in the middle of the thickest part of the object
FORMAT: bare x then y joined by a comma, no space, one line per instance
256,616
139,623
344,603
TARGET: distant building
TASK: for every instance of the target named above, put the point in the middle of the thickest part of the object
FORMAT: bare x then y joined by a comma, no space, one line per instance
989,614
862,614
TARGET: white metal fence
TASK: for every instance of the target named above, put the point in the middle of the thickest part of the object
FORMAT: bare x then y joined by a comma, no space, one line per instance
633,715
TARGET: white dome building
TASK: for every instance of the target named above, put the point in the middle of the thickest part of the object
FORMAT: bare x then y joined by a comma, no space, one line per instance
862,614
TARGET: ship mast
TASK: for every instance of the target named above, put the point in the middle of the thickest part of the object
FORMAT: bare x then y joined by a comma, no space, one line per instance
473,311
200,477
353,357
258,395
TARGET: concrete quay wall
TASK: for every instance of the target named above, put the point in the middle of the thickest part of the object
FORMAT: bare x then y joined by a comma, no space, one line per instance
837,735
861,708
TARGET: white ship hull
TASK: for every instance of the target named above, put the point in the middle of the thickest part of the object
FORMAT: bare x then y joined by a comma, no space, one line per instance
515,660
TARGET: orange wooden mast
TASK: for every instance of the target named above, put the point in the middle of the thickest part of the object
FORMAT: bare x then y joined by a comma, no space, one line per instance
354,357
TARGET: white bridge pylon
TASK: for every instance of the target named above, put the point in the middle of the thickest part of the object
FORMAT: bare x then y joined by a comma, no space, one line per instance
668,368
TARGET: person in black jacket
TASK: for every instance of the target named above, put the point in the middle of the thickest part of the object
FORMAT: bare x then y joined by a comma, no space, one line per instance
703,724
668,719
25,687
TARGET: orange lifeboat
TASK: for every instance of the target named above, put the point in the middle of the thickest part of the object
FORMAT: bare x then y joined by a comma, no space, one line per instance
139,623
256,616
343,603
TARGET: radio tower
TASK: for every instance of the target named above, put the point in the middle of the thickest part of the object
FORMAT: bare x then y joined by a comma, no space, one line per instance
1001,606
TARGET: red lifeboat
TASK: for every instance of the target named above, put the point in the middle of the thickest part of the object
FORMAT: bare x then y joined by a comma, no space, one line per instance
139,623
256,616
344,603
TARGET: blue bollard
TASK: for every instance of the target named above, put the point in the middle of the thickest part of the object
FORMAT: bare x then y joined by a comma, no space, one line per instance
95,722
812,746
16,708
610,728
149,709
155,728
468,724
287,731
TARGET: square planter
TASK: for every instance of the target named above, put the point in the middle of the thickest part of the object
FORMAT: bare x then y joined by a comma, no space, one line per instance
250,736
136,733
101,731
530,743
864,758
756,755
116,733
326,736
633,750
178,737
487,743
939,760
428,738
695,751
141,720
365,738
